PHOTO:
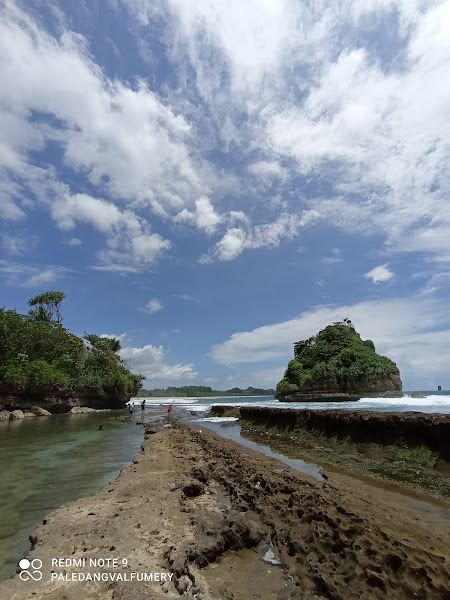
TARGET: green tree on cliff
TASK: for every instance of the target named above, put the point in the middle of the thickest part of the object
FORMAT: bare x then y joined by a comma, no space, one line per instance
35,349
48,305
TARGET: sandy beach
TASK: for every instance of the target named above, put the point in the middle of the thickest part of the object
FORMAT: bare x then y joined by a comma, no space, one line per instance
203,517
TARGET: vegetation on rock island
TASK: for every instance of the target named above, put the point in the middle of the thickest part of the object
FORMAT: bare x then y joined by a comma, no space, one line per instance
36,350
334,359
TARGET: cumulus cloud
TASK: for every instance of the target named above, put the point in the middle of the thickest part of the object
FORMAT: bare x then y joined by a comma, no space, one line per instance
380,273
154,305
129,239
130,145
321,98
204,216
150,361
237,239
401,329
301,96
109,129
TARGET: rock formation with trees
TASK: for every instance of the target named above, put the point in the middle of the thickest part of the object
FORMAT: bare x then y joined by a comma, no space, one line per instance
337,365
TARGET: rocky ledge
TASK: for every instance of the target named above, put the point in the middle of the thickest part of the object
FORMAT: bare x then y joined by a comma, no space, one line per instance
410,428
58,399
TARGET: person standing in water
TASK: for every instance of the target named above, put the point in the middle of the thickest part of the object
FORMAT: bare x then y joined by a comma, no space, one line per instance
143,405
169,410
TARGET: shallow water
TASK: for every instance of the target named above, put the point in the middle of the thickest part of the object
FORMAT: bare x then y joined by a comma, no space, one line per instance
49,461
227,428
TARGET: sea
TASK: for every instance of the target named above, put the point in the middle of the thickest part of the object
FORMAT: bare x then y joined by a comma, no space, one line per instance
433,402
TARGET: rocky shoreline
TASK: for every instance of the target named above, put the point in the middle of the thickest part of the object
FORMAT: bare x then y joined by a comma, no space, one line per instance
410,428
229,523
56,399
406,450
38,411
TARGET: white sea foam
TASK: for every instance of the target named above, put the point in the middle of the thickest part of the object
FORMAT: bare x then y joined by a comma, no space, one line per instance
216,419
432,403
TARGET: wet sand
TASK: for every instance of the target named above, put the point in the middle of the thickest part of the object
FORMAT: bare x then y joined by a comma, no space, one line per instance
206,512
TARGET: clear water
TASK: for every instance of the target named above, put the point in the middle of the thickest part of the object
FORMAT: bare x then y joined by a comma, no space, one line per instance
227,428
48,461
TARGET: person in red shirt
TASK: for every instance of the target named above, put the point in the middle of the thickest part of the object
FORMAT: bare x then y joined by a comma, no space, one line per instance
169,410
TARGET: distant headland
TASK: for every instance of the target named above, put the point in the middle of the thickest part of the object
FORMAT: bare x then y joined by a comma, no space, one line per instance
202,391
337,365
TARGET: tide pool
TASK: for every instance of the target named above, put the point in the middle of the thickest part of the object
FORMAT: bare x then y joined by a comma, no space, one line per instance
49,461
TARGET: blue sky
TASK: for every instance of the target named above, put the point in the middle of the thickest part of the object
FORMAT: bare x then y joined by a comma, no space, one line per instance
213,181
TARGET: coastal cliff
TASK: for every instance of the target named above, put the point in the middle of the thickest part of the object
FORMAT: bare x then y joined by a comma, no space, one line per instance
43,365
60,398
337,365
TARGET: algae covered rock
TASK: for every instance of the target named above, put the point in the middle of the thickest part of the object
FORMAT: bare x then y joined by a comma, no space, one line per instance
337,365
16,414
39,412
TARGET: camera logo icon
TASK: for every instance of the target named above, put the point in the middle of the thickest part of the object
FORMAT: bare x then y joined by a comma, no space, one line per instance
30,570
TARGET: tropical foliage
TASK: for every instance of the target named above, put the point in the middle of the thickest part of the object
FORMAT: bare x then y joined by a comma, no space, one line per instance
336,357
35,349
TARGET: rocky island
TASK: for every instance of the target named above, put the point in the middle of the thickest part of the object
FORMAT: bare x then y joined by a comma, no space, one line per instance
46,369
336,365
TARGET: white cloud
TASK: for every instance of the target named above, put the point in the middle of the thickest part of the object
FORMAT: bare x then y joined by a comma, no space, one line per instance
130,145
46,276
237,239
112,336
232,244
268,170
74,242
154,305
15,245
204,216
334,258
414,332
186,297
300,90
380,273
120,135
321,99
31,276
151,361
129,239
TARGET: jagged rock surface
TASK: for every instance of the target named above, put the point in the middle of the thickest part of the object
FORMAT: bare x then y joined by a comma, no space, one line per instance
58,399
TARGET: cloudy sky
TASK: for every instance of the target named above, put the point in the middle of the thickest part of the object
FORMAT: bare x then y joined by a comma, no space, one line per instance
213,180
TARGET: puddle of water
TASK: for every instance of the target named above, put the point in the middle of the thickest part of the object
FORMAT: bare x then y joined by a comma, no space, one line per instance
271,559
223,500
232,431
